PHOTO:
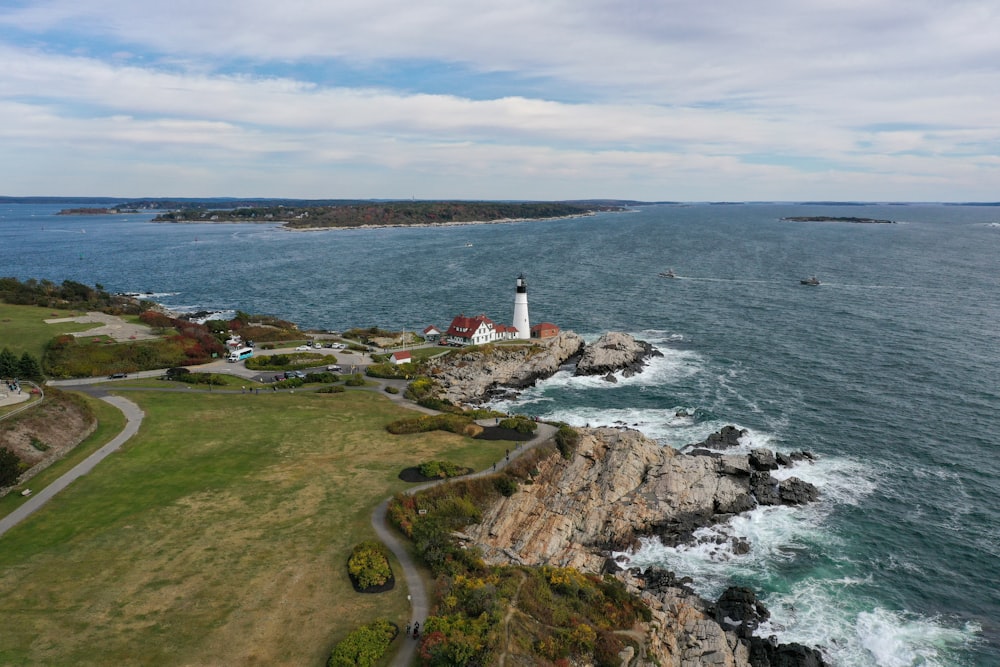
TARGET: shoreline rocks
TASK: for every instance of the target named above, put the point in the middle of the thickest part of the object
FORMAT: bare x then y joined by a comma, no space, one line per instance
615,351
479,374
495,372
620,486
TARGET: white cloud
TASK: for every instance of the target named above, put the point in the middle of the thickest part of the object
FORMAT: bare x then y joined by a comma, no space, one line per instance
765,100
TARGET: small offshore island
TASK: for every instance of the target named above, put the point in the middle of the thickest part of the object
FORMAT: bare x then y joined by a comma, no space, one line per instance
389,214
828,218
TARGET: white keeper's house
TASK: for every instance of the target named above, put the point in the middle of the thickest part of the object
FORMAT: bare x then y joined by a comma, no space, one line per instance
476,330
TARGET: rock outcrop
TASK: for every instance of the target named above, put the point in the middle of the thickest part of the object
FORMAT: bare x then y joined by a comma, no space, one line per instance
613,352
481,373
485,373
620,485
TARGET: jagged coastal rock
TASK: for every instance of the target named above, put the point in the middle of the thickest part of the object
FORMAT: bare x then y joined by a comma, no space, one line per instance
475,375
618,486
615,351
480,374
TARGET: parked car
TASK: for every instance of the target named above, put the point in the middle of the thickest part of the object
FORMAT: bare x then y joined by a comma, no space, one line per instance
303,348
299,374
117,376
338,346
334,368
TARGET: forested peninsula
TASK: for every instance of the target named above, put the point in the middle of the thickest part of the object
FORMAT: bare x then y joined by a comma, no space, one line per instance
386,214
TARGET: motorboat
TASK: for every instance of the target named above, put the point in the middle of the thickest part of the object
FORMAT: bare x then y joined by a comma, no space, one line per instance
811,281
669,273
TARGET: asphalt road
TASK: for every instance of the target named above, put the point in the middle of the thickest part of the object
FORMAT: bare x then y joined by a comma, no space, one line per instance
133,415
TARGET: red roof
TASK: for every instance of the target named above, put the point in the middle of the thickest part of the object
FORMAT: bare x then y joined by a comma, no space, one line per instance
545,326
430,329
401,355
464,327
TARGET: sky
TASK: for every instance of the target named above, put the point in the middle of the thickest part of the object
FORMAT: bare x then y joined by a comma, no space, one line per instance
655,100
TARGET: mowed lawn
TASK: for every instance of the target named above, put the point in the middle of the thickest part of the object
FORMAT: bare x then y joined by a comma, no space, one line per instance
23,328
218,535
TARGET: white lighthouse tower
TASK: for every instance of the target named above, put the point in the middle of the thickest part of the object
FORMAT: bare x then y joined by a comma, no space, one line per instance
521,309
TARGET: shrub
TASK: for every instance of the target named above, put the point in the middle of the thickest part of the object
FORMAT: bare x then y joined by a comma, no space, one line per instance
567,439
365,646
440,469
519,424
391,390
356,380
10,467
388,371
447,422
421,388
507,486
197,378
368,565
333,389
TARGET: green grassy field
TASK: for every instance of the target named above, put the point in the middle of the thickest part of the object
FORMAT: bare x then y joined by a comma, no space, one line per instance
218,535
23,328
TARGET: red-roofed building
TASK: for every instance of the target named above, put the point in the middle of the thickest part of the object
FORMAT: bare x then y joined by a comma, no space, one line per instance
544,330
401,357
505,332
470,330
432,334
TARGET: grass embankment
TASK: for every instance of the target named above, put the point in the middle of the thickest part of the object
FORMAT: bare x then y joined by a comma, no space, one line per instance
110,422
24,328
218,535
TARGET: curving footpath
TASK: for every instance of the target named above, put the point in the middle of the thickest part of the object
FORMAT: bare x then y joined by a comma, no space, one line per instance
419,606
133,415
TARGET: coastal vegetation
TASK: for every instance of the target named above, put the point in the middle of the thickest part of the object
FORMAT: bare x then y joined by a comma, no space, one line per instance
384,213
369,567
25,368
288,361
441,469
67,295
545,615
365,646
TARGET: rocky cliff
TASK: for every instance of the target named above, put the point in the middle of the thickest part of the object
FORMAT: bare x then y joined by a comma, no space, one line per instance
620,485
615,351
494,371
481,373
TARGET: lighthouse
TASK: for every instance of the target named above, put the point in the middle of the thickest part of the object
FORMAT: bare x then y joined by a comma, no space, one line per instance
521,309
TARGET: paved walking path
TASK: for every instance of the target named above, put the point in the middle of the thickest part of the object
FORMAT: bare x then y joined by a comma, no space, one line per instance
419,604
133,415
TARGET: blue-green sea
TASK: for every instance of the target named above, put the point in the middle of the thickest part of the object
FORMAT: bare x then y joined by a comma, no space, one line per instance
888,371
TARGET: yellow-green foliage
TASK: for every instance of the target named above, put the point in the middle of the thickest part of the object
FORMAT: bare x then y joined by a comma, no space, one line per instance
369,565
448,422
563,612
365,646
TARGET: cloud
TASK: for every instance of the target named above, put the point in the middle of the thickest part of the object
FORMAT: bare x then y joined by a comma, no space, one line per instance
784,99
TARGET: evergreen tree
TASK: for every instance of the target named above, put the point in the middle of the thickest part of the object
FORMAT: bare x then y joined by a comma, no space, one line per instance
29,367
8,364
10,467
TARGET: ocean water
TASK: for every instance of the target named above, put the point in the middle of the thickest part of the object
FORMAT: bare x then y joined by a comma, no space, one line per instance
887,371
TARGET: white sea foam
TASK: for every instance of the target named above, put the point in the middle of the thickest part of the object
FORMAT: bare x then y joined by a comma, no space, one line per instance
854,632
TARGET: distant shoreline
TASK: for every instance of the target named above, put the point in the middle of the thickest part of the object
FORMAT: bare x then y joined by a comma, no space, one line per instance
284,223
